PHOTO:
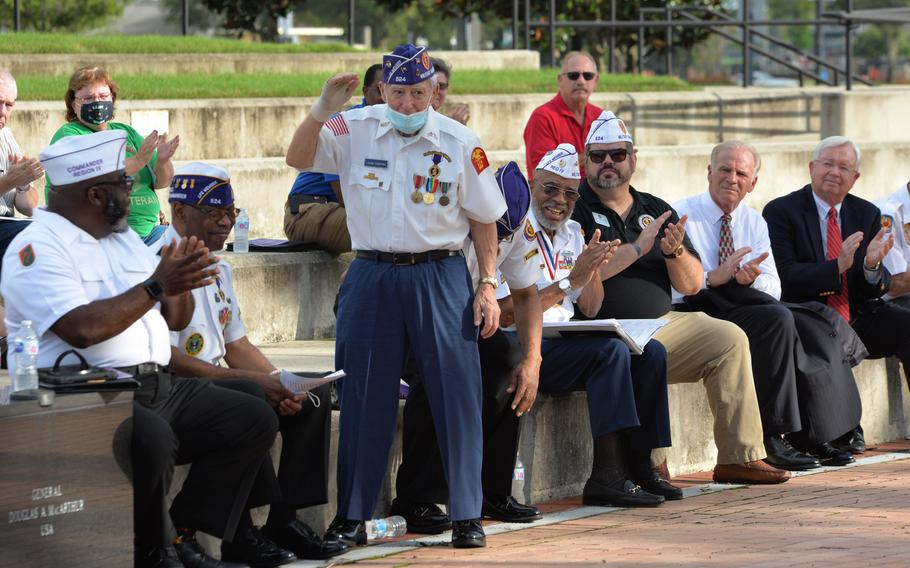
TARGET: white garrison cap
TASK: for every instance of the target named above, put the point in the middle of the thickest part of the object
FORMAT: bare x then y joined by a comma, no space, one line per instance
607,129
78,158
563,161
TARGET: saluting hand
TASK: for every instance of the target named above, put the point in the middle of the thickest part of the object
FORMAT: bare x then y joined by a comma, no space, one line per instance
185,266
335,93
878,248
748,272
848,250
673,236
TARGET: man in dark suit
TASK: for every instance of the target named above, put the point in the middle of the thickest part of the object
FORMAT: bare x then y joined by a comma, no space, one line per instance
829,247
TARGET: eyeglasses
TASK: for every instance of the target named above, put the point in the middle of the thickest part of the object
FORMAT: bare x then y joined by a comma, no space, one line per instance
552,190
92,98
125,183
216,213
598,156
842,168
574,75
443,86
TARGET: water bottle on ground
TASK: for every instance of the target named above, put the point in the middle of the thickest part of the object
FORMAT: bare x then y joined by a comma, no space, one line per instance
242,232
389,527
518,480
25,354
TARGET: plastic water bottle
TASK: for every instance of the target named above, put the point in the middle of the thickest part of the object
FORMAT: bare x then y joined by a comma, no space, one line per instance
25,353
389,527
242,232
518,480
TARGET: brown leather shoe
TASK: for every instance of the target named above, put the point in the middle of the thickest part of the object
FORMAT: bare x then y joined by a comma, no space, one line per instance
752,473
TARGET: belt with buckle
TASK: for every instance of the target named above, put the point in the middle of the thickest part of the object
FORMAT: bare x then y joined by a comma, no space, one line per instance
144,369
406,258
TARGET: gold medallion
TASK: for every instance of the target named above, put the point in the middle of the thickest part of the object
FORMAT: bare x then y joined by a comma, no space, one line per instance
428,198
444,200
434,171
415,197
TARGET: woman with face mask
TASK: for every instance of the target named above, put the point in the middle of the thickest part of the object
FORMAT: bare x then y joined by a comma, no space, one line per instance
90,98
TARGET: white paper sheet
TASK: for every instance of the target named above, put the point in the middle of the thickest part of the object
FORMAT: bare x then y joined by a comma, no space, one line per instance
636,333
297,384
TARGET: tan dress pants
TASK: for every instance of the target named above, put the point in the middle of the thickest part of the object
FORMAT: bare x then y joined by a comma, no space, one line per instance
716,352
323,224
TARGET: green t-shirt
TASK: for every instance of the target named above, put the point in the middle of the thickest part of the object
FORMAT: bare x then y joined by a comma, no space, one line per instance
144,204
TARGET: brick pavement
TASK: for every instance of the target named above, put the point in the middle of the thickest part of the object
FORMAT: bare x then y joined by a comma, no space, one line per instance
846,517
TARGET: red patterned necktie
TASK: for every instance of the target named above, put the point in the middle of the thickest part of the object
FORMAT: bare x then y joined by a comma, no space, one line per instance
839,302
726,240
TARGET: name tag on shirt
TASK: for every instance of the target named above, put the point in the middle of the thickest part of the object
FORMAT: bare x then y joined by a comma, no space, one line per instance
601,219
374,163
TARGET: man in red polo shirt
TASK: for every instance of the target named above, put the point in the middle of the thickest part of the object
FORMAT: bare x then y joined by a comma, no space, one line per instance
567,117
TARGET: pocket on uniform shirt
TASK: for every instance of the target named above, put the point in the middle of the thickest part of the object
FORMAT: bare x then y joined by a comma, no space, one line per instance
362,177
134,269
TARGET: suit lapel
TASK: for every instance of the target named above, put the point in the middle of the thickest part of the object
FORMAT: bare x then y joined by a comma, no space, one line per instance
810,218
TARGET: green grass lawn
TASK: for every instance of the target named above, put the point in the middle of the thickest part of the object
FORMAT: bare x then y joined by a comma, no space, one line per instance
231,85
32,43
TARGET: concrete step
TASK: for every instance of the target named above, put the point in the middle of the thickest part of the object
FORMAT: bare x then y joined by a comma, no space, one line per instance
210,63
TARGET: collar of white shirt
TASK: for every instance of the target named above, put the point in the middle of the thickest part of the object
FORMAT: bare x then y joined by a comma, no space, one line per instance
62,227
823,209
713,213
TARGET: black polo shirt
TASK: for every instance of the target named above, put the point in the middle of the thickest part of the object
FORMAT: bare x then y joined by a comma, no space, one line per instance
642,290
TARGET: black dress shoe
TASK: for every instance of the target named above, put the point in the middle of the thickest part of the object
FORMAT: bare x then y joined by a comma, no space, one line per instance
348,531
161,557
602,495
657,485
252,547
509,510
468,534
193,555
782,455
831,456
303,541
423,518
853,441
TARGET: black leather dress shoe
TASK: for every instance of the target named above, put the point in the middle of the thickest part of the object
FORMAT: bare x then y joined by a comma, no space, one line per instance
348,531
161,557
601,495
192,555
657,485
252,547
782,455
468,534
423,518
831,456
509,510
853,441
303,541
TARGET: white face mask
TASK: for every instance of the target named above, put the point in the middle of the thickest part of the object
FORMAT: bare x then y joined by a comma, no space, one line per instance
407,123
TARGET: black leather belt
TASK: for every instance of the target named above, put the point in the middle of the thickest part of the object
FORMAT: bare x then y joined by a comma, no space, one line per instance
145,369
405,258
155,382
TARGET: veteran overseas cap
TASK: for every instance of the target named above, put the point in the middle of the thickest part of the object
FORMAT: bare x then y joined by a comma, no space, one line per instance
74,159
407,65
563,161
198,183
607,129
517,194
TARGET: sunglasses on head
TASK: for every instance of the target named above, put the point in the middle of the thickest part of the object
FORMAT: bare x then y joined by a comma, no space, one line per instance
574,75
598,156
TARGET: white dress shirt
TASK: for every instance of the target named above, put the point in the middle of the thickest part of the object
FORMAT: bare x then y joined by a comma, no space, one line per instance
897,207
748,228
379,169
54,267
872,276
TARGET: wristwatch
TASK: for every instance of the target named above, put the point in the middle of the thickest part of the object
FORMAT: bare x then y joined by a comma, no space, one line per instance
675,254
565,285
491,280
707,280
154,289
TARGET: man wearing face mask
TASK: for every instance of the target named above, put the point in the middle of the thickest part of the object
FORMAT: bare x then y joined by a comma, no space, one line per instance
90,98
414,183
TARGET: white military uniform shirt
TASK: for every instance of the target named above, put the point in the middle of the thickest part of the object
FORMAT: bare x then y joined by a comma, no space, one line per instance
216,317
380,169
556,259
8,147
896,221
54,267
749,230
516,259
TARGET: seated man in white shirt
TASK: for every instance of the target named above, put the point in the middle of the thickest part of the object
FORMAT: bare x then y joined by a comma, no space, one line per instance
202,206
627,395
89,283
742,286
896,221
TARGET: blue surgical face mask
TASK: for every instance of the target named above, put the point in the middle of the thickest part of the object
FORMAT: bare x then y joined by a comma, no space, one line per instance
407,123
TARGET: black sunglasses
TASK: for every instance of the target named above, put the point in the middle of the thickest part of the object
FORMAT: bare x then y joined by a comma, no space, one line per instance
574,75
598,156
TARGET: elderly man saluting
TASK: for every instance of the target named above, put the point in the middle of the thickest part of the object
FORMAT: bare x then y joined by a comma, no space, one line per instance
414,183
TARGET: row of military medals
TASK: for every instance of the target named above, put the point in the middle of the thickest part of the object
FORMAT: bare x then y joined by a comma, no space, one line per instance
425,187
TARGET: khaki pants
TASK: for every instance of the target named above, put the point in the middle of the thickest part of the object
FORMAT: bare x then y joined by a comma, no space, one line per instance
702,348
323,224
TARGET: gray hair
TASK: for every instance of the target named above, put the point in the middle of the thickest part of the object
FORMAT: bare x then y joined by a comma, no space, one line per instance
569,55
736,145
836,142
7,78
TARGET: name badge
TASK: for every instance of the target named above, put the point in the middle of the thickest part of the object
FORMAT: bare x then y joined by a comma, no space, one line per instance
373,163
601,219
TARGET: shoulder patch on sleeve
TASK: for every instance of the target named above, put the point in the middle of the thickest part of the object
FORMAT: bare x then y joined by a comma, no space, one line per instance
529,233
337,125
27,255
479,159
887,223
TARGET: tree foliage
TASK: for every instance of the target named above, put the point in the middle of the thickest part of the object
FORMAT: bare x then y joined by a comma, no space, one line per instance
61,15
258,16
